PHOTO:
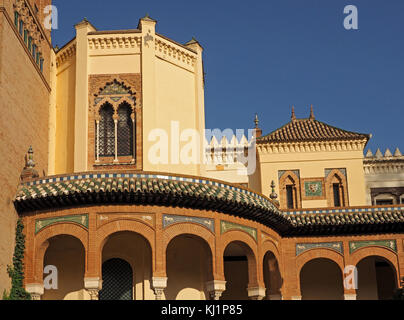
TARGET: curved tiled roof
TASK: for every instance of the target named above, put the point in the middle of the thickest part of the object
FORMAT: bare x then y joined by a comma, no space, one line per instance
205,194
310,130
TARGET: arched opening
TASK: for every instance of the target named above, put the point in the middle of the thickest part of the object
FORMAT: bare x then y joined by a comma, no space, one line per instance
121,251
376,279
337,193
321,279
65,281
125,130
106,136
117,280
289,185
189,267
235,260
272,277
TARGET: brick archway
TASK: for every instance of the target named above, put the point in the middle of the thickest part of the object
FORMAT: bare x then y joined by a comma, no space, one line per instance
384,253
313,254
251,250
122,225
271,271
41,245
176,230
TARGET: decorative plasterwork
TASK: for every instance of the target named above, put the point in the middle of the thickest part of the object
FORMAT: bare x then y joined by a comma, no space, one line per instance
384,166
103,218
303,247
79,219
30,23
320,146
175,54
65,54
356,245
226,226
116,41
169,220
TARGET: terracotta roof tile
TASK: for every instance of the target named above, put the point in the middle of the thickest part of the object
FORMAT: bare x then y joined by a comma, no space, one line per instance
310,130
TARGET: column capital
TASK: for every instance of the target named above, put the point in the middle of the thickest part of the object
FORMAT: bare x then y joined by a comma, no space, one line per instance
36,290
256,293
215,288
158,285
349,296
93,287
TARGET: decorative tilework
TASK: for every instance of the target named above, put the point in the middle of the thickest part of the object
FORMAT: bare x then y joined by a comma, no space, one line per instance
282,172
226,226
328,171
104,218
313,188
302,247
356,245
79,219
168,220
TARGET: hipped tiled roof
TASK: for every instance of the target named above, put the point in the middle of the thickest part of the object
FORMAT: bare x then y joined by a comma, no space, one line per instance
204,194
310,130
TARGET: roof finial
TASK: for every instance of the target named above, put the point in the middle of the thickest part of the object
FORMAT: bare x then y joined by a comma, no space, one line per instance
29,172
256,121
312,113
273,195
293,113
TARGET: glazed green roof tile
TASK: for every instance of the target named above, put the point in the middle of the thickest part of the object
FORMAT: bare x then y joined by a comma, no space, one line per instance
203,194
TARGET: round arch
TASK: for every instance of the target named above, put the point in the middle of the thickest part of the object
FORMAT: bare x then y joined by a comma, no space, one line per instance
117,226
176,230
42,242
251,251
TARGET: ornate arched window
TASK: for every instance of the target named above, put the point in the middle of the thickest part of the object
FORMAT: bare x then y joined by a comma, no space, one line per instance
117,117
289,185
337,190
125,130
106,135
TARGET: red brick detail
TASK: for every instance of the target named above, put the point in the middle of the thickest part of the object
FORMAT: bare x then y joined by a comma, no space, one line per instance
108,229
385,253
41,244
269,246
202,233
251,250
312,254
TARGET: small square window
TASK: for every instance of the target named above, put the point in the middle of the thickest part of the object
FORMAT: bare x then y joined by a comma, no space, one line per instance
29,43
41,64
33,51
26,36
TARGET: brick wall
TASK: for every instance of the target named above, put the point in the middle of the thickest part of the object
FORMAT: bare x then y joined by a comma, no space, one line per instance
23,122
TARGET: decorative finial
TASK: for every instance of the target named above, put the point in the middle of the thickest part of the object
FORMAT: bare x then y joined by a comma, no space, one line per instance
273,195
256,121
293,114
30,163
312,113
29,172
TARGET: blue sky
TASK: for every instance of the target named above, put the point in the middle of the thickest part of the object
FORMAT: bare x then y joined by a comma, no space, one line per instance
265,56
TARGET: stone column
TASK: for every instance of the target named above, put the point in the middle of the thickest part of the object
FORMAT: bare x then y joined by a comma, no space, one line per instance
36,290
350,294
158,285
215,289
93,287
256,293
296,298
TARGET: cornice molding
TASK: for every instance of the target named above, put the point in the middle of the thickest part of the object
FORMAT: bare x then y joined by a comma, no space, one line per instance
319,146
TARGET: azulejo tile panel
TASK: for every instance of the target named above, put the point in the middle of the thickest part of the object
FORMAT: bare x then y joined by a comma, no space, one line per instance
103,218
168,220
226,226
303,247
356,245
79,219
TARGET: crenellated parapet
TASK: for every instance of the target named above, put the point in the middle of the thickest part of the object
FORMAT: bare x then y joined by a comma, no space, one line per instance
226,152
386,163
